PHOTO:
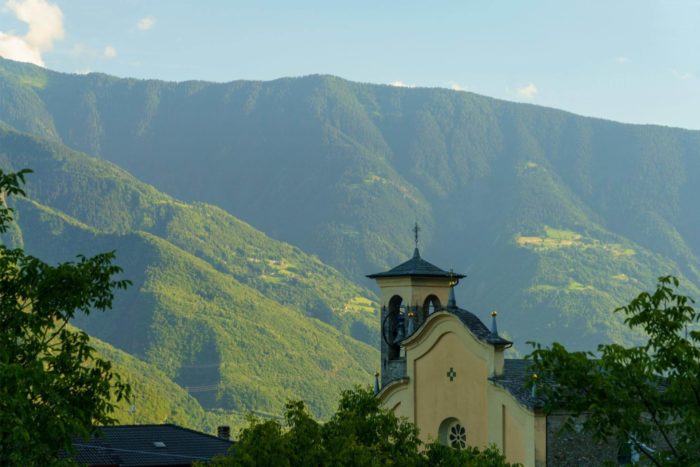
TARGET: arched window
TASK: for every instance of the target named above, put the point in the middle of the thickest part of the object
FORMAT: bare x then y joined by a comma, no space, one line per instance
431,305
392,324
453,433
395,303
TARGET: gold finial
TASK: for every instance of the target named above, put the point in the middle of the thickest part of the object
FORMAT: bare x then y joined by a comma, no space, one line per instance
453,281
534,376
494,313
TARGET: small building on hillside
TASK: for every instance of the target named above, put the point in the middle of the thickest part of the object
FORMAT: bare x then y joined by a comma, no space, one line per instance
444,370
150,445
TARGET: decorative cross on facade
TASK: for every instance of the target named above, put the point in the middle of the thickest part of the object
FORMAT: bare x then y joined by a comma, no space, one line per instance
452,374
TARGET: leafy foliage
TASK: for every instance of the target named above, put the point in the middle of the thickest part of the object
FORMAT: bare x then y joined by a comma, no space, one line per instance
646,395
52,385
360,433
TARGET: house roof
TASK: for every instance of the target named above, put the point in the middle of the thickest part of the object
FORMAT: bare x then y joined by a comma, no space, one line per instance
416,267
148,445
516,374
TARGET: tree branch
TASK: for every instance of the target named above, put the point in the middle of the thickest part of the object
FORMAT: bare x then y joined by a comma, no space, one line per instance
657,423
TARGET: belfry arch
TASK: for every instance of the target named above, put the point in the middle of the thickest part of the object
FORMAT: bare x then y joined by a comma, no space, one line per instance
392,326
431,304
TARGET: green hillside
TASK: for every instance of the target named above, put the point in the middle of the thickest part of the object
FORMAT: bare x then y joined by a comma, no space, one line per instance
157,399
342,170
238,320
108,199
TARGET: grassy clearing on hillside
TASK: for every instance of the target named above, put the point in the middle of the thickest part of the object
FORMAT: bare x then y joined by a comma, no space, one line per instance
562,238
37,80
360,304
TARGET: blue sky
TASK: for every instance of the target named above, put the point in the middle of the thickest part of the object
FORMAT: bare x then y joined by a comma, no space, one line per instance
633,61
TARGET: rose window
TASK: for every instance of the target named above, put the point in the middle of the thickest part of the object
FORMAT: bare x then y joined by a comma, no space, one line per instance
458,436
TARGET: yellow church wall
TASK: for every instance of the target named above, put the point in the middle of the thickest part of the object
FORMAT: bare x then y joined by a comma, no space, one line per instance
540,440
438,398
413,291
498,361
511,426
398,398
515,434
442,344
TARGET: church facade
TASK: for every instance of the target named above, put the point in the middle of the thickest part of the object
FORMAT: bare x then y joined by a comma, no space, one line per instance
443,369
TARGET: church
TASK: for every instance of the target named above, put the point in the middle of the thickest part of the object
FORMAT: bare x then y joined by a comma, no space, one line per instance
445,371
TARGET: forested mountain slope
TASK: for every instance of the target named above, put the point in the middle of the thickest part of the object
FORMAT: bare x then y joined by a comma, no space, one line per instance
157,399
556,218
239,320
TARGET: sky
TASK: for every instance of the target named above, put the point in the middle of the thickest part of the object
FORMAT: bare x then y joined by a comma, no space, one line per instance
632,61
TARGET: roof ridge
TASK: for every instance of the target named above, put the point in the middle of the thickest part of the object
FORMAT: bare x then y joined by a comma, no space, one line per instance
131,425
162,425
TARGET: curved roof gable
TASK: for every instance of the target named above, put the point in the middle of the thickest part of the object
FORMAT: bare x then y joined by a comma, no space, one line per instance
471,322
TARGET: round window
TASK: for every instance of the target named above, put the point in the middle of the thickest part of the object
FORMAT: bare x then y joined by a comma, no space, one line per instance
452,433
457,436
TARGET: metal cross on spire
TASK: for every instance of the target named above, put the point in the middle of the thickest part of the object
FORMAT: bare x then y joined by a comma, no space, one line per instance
416,229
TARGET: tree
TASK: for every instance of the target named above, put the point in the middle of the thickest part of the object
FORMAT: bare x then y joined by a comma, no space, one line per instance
52,386
646,397
360,433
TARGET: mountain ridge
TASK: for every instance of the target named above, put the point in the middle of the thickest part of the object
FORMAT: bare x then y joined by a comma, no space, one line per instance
342,170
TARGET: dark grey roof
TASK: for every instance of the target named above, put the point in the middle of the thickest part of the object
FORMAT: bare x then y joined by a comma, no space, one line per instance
516,373
477,327
416,267
135,445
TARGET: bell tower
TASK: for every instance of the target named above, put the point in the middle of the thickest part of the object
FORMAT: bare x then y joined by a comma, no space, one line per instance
408,294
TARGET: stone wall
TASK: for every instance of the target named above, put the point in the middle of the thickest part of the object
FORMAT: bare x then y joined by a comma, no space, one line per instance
573,448
393,370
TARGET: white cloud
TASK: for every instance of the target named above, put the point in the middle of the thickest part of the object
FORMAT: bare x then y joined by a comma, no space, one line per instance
45,22
16,48
622,60
401,84
146,23
110,52
684,75
528,92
